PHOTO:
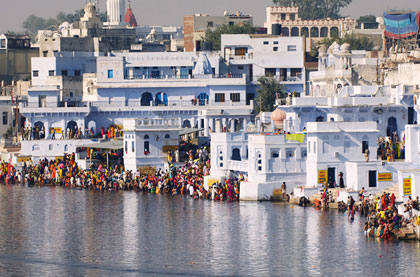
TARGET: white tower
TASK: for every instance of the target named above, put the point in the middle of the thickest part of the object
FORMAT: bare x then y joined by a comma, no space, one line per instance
116,12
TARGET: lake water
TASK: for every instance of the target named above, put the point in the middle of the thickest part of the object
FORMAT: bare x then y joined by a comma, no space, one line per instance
58,232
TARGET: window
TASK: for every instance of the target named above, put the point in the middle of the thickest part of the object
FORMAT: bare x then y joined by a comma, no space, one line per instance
365,146
64,72
219,97
51,72
132,146
292,16
231,23
210,24
259,162
146,137
77,73
4,118
126,147
146,148
241,51
50,147
3,43
235,97
303,153
240,67
167,136
265,42
270,72
110,73
275,155
283,16
291,48
275,42
275,49
35,73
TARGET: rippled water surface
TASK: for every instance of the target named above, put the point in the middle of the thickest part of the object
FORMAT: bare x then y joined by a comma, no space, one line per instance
58,232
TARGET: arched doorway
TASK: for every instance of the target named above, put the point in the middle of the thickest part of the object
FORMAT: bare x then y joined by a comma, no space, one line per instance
392,126
324,32
161,99
71,129
236,154
334,32
304,32
285,31
186,124
92,127
319,119
314,32
203,99
146,98
294,32
39,130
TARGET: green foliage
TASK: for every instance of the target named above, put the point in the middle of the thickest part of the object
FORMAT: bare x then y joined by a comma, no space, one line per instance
367,19
266,94
9,132
33,23
316,9
215,36
356,42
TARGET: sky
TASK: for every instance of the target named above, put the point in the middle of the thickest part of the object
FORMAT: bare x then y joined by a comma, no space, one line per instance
171,12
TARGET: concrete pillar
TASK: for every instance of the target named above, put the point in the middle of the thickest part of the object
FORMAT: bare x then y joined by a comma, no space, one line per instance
232,125
245,123
206,127
226,123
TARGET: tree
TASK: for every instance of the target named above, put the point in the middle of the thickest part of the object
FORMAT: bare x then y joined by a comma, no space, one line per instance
367,19
214,36
266,94
33,23
316,9
356,42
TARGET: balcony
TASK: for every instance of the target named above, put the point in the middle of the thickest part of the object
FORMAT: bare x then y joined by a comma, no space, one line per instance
183,77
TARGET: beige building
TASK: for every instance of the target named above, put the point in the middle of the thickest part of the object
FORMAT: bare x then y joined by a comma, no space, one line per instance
15,57
313,30
195,27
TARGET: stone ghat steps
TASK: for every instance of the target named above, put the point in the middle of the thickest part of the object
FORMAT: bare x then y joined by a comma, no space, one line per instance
406,233
391,190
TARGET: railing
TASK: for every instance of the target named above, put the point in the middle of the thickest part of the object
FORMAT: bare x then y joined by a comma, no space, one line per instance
171,103
58,104
183,77
297,78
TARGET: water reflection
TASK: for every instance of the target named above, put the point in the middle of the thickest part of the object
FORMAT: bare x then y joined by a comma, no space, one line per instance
52,231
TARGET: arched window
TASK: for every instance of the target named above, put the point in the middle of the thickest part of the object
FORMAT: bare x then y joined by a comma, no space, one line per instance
304,32
167,136
392,126
161,99
146,98
314,32
303,153
146,136
290,153
275,154
294,32
259,162
203,99
186,124
220,158
285,31
236,154
334,32
319,119
324,32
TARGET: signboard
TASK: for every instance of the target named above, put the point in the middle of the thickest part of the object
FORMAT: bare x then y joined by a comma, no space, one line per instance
167,148
23,159
322,176
211,182
57,130
407,186
147,170
385,177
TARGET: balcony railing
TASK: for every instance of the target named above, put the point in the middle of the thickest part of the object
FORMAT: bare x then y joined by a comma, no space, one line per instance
59,104
298,78
183,77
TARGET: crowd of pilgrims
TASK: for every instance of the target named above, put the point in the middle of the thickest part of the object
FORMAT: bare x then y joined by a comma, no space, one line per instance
391,148
187,179
39,132
383,219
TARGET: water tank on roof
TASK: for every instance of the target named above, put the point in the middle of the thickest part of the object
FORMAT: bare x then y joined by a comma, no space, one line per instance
276,29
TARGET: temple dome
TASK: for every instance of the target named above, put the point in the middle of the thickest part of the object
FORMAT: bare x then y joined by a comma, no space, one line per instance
130,18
